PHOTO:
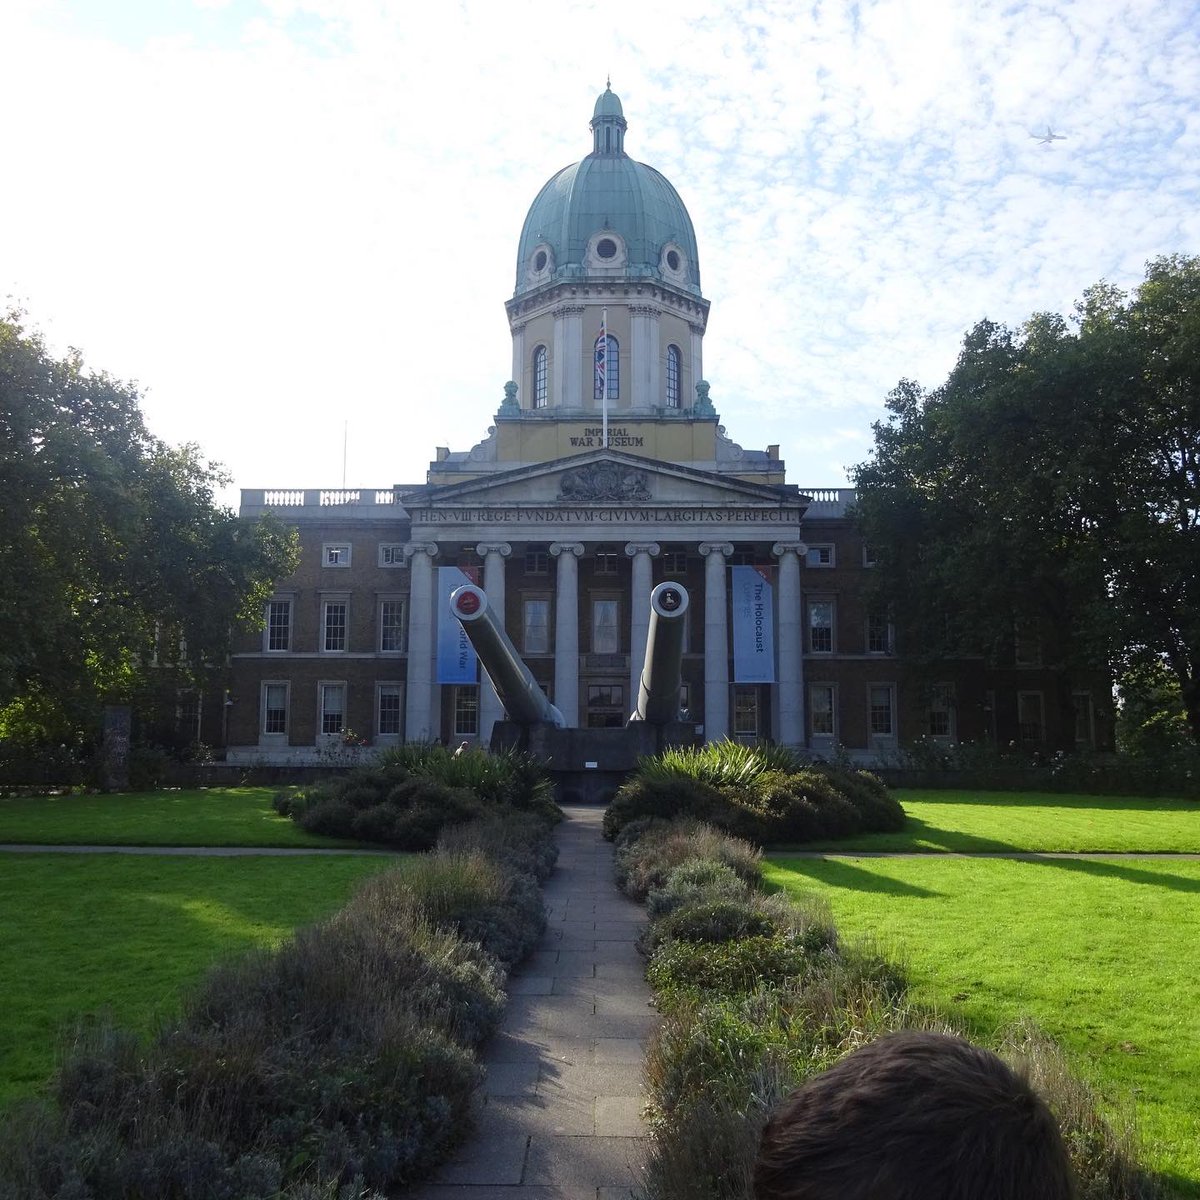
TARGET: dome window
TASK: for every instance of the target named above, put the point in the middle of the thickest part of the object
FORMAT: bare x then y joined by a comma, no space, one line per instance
606,249
673,358
540,264
673,263
540,394
540,260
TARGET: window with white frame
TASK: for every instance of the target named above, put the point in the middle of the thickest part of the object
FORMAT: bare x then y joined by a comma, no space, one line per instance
389,709
881,701
540,389
939,717
820,626
822,710
466,710
279,626
1031,718
333,707
606,636
391,554
745,711
537,562
1085,725
275,709
673,362
335,554
335,617
868,556
392,626
879,632
536,625
821,556
675,563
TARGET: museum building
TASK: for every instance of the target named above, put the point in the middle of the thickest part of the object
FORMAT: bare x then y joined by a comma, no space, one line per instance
606,471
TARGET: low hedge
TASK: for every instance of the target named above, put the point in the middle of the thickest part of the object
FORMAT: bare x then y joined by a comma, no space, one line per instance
758,993
408,795
338,1067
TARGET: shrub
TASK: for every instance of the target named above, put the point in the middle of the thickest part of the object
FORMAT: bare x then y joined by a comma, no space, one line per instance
697,878
665,796
646,863
726,968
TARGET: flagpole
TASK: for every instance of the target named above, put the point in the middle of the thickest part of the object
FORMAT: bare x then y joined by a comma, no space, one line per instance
604,388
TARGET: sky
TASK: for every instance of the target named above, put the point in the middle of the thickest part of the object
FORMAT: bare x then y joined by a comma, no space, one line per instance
294,223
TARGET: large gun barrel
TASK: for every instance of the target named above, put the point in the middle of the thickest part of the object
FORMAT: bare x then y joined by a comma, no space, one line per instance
523,700
658,691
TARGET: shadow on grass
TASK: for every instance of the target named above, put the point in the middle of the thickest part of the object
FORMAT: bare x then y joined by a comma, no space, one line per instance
837,872
1106,867
932,839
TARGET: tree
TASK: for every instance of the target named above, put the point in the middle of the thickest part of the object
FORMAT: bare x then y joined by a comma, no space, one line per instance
114,558
1051,484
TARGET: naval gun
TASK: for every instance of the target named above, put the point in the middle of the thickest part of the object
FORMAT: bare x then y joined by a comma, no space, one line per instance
523,700
586,764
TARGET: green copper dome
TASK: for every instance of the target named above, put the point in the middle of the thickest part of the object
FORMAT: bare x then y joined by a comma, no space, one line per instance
608,216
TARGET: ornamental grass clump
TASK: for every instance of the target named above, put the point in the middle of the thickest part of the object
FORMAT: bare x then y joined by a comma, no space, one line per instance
645,864
763,794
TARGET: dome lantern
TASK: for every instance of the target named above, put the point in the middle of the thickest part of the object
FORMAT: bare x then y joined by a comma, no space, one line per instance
608,124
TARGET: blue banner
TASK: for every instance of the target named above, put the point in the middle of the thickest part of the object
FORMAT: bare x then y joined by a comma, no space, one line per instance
456,660
753,626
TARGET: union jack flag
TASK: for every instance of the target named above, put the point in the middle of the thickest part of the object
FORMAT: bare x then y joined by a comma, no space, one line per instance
601,360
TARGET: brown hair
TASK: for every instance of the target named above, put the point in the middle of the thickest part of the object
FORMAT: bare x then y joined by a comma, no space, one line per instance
914,1116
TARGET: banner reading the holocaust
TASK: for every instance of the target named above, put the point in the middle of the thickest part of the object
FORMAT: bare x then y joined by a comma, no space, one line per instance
456,660
753,625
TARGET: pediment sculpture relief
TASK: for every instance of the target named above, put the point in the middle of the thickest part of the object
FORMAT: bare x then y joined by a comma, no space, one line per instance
604,481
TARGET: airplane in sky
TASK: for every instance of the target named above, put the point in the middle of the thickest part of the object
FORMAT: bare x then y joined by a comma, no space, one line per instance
1049,136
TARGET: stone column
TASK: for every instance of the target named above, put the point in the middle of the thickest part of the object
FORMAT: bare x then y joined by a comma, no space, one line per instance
520,367
639,611
643,356
697,359
421,723
567,383
566,631
789,711
716,640
493,555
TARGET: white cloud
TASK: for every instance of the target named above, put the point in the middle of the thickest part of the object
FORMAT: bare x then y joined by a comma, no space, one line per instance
282,217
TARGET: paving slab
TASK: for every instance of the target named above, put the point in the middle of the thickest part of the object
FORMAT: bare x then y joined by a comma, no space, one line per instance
559,1116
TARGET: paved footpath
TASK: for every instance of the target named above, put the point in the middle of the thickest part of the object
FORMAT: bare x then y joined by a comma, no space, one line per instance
559,1117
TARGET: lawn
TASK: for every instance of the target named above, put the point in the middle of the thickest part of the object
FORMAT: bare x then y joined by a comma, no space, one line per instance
990,822
195,817
1100,953
86,934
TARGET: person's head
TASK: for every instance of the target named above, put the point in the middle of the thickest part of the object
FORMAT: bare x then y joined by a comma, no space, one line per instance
914,1116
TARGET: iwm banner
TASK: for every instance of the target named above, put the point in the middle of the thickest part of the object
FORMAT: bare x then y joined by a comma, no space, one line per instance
456,660
753,626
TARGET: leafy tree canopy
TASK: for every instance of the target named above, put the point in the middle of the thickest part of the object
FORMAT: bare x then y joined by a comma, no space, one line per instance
114,558
1052,485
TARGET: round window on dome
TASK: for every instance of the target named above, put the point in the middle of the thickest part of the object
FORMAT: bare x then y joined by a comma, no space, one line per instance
540,260
606,248
673,259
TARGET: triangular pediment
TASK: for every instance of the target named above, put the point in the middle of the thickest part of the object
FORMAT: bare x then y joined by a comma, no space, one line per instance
602,477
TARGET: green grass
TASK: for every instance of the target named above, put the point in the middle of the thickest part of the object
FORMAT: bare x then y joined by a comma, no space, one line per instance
1101,954
983,822
121,934
195,817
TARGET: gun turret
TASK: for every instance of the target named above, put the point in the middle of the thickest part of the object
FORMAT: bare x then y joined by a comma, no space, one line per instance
658,692
523,700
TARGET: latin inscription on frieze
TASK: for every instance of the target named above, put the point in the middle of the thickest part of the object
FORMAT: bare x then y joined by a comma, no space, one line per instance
569,515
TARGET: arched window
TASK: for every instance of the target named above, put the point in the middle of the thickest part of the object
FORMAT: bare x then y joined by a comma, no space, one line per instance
672,376
607,360
539,377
